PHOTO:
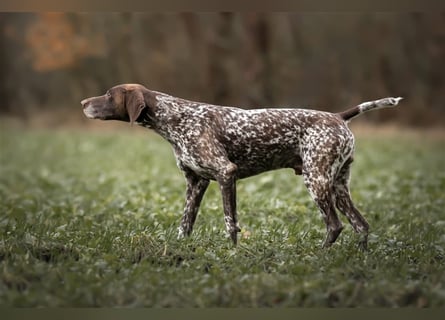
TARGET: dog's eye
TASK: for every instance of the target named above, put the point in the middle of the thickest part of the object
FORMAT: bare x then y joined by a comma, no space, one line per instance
108,94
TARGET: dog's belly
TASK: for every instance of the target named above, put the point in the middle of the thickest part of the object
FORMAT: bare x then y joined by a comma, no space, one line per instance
250,160
253,160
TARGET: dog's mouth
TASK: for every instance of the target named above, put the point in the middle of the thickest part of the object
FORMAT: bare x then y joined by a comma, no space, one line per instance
90,113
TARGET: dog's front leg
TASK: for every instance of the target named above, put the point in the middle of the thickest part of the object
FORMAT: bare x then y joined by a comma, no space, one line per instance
227,184
196,187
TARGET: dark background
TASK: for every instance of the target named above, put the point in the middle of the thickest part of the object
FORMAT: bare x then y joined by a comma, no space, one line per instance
329,61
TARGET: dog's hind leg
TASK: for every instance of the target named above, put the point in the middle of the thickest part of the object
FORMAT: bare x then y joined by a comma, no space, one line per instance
344,203
319,184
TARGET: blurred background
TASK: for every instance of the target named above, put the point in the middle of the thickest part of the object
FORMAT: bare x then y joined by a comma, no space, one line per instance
51,61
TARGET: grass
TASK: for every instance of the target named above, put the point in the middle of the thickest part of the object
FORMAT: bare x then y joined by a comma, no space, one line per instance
90,219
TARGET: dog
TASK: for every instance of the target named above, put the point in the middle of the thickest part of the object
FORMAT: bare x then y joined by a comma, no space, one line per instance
224,144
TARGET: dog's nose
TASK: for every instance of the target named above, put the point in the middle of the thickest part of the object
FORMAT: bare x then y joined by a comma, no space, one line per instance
84,102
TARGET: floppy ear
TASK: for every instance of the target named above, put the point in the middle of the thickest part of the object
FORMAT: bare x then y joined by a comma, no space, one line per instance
135,103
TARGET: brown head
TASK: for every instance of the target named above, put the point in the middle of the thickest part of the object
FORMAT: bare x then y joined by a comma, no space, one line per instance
123,102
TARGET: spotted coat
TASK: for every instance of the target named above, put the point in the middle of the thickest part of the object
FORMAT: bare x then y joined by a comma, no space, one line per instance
225,144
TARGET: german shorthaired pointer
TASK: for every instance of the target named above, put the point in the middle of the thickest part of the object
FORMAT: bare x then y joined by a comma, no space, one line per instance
225,144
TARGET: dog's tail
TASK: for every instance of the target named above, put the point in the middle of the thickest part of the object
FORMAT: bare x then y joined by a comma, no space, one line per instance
367,106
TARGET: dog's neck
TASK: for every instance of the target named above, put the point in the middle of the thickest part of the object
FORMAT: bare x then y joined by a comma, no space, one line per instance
164,113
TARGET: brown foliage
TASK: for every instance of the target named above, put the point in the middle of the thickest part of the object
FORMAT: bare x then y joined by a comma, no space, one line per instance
328,61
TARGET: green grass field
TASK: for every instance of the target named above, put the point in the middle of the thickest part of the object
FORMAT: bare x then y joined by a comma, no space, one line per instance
90,219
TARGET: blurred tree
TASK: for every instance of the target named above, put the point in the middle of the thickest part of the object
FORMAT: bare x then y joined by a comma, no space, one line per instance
4,67
327,61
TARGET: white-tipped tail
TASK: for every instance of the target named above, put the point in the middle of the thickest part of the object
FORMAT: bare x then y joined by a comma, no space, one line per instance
369,105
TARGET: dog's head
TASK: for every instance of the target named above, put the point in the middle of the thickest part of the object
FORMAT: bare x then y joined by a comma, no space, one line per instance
123,102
